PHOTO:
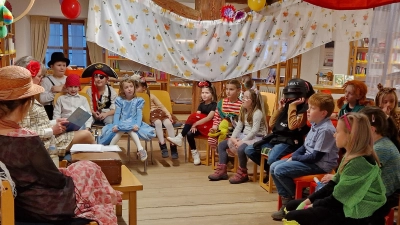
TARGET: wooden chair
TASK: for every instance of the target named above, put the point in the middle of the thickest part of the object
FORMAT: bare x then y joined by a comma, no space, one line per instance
7,206
269,105
269,186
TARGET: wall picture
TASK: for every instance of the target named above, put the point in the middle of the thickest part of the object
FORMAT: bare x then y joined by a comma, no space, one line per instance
338,80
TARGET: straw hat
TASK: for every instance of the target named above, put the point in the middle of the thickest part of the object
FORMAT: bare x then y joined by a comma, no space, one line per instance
16,83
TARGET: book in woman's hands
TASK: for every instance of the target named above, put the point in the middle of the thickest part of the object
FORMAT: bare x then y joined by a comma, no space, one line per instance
77,119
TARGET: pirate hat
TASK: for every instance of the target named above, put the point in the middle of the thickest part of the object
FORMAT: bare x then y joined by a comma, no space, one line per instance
58,57
101,68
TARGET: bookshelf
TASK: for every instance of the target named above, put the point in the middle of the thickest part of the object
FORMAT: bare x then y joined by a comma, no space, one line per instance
358,59
180,89
7,47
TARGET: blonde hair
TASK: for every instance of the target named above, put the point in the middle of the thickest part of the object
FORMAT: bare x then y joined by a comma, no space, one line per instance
360,138
121,87
256,103
323,102
383,91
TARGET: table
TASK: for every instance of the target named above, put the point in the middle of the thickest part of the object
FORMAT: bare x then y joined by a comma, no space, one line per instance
129,186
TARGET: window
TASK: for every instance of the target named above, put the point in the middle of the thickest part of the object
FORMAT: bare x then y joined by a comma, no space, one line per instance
69,37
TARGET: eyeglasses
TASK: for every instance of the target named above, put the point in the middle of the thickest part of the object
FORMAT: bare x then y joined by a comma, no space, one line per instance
99,76
346,121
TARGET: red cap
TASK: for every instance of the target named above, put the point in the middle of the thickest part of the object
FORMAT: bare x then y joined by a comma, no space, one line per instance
72,80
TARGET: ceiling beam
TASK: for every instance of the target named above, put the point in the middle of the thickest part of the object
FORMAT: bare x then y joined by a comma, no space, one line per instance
178,8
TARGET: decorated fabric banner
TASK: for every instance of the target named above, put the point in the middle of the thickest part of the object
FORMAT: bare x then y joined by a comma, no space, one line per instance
218,50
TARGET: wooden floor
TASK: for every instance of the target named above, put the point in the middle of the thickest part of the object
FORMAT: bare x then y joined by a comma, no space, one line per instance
180,193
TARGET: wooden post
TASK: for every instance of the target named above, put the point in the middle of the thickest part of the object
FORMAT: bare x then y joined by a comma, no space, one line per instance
209,10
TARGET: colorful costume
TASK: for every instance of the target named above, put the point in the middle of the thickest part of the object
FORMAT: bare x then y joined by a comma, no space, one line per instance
128,113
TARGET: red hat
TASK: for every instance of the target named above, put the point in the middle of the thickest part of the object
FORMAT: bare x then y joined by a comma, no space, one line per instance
72,80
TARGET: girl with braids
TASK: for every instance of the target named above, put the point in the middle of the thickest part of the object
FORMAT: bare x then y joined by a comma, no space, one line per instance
199,122
355,97
386,99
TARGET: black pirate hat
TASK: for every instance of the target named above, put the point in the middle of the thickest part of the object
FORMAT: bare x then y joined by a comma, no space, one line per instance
58,57
104,68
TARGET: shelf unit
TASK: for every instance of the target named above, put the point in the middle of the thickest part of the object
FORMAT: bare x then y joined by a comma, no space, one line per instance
358,59
7,47
291,67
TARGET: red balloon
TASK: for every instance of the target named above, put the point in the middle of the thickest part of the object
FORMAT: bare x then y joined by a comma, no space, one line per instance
71,8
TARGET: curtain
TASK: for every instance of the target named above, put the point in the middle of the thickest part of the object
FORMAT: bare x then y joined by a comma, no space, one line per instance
384,49
217,50
350,4
40,30
96,53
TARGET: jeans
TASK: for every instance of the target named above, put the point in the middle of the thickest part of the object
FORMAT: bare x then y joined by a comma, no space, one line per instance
284,172
277,152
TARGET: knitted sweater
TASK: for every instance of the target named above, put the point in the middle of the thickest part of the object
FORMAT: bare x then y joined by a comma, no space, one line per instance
389,157
359,188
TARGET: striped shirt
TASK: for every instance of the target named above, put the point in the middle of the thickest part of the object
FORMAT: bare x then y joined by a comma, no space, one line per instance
227,107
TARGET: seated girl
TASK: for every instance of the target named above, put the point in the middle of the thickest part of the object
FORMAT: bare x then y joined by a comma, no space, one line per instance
250,128
356,191
387,100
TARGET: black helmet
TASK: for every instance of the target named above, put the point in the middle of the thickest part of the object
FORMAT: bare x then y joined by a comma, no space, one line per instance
296,88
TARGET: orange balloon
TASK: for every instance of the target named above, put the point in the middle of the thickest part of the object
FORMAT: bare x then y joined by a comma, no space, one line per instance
256,5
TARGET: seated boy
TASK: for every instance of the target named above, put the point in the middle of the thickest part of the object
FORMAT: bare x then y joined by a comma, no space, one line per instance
288,124
318,155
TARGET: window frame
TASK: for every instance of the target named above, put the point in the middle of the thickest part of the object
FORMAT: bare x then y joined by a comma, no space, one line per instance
65,47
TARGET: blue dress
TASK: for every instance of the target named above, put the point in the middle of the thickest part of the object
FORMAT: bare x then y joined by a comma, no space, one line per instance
128,113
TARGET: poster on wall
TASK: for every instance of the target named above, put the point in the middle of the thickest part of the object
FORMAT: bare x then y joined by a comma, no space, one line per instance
328,54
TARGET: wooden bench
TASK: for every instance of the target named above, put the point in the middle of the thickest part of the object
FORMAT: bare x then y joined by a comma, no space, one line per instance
129,186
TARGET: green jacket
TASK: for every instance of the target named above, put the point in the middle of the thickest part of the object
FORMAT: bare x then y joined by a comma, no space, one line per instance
359,188
355,109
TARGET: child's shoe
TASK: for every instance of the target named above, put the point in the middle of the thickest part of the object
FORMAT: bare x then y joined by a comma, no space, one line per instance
176,140
219,174
196,157
280,215
174,151
164,150
240,176
142,154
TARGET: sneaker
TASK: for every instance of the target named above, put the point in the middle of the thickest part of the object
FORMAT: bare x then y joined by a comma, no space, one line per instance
196,157
142,154
176,140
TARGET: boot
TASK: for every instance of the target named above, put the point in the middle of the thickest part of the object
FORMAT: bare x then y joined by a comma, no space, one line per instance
280,215
240,176
174,151
219,174
176,140
164,150
196,157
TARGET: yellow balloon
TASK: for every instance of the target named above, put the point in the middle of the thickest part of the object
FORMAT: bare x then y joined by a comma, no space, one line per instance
256,5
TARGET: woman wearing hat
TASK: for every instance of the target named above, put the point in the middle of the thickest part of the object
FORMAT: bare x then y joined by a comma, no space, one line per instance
38,121
102,96
54,83
46,194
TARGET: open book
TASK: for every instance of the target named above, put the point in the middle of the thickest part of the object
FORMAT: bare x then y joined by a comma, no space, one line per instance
94,148
77,119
